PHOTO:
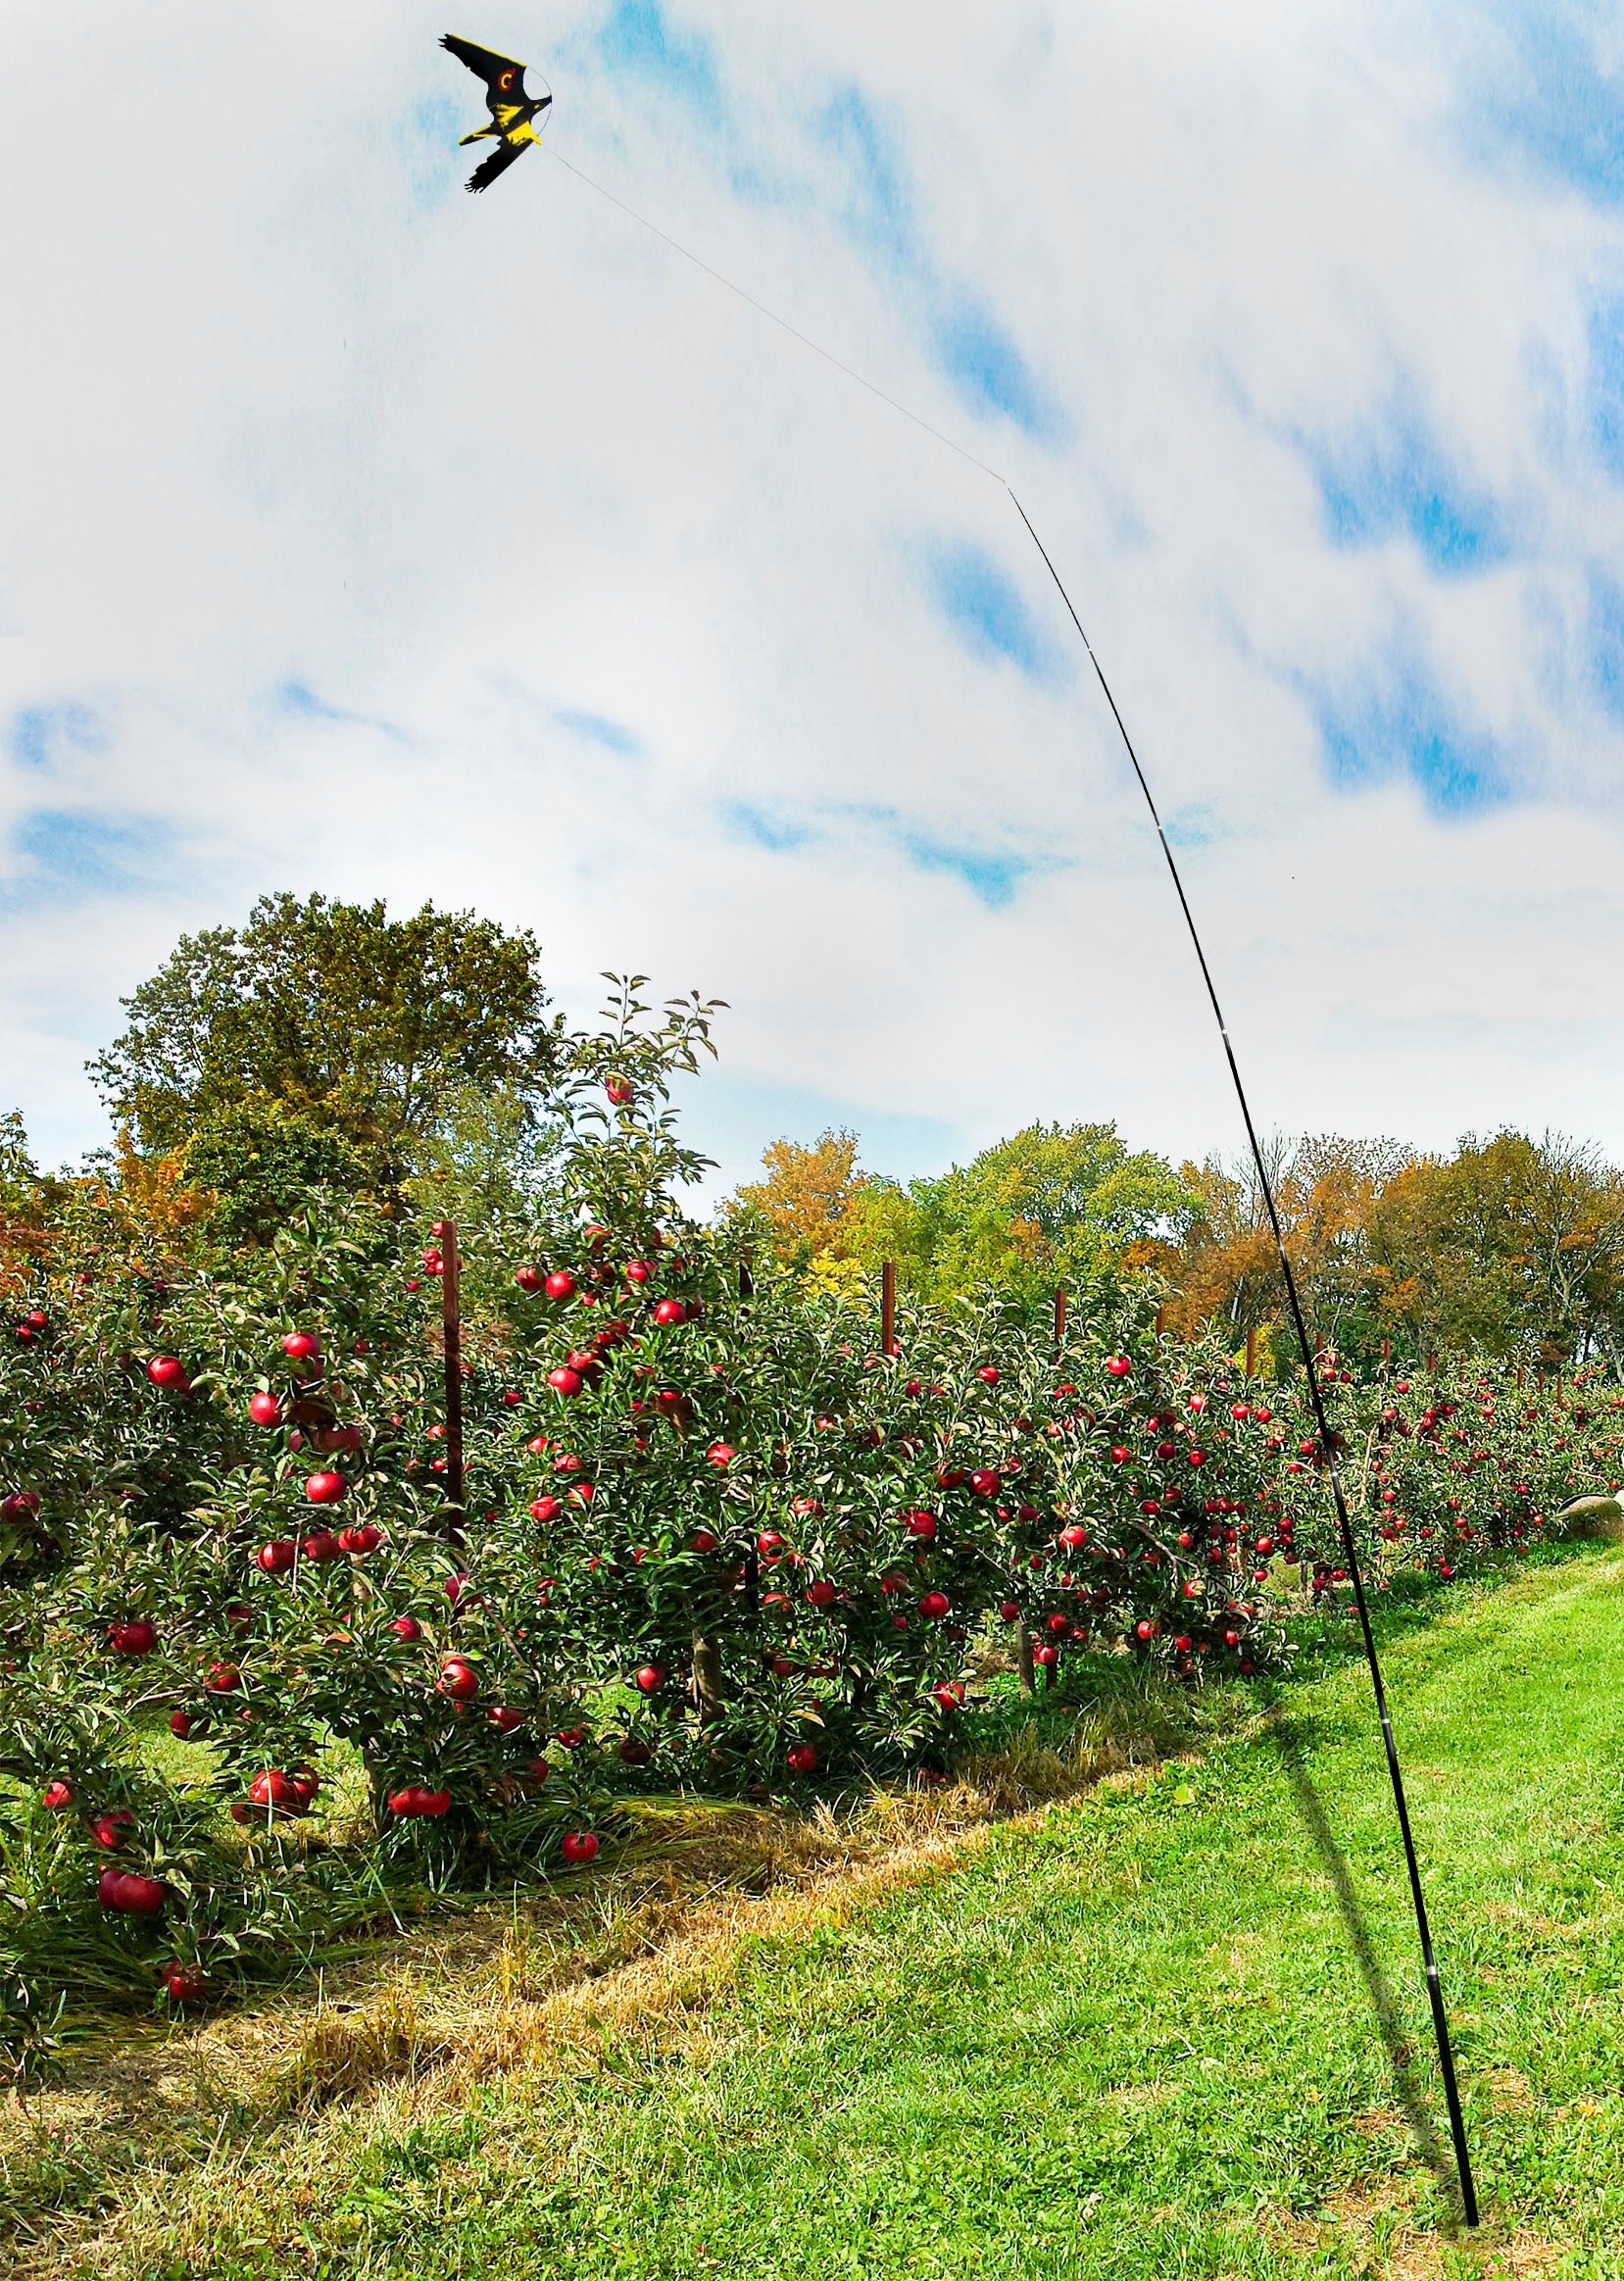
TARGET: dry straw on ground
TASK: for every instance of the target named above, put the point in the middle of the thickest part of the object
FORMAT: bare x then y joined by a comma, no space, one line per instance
178,2138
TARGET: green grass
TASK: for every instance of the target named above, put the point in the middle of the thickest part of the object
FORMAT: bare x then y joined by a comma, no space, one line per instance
1171,2030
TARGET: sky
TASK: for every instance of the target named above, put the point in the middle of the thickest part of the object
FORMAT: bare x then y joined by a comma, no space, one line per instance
358,535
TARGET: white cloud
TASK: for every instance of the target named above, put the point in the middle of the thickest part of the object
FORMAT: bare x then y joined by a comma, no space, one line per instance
295,413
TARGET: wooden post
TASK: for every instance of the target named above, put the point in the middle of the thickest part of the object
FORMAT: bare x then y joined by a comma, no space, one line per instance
708,1682
1060,1316
1251,1351
1319,1344
1387,1353
451,1292
1160,1314
888,1308
1432,1365
1028,1669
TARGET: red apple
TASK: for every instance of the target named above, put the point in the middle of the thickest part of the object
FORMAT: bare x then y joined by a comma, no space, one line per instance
650,1678
326,1488
564,1380
57,1795
168,1370
270,1788
1118,1365
935,1605
459,1680
132,1896
529,1279
416,1799
671,1311
300,1347
503,1717
546,1508
136,1637
800,1759
184,1723
264,1409
323,1545
185,1984
560,1284
579,1845
407,1627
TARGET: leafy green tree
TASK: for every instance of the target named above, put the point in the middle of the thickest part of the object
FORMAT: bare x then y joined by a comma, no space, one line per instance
19,1180
325,1017
1054,1204
802,1204
1511,1243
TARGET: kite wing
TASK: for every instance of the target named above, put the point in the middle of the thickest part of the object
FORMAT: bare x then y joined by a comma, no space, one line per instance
500,159
504,78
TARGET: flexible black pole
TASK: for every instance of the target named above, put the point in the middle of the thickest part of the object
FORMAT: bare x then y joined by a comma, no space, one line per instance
1435,1992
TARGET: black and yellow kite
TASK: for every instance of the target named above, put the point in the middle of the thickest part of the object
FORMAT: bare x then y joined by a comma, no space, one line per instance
515,114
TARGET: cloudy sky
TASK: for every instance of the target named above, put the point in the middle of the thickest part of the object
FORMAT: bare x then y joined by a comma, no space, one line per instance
360,535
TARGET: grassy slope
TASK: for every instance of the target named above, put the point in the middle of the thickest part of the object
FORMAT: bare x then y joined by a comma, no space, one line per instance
1135,2040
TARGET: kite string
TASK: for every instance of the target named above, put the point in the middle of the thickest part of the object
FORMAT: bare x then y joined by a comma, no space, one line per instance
805,339
1435,1997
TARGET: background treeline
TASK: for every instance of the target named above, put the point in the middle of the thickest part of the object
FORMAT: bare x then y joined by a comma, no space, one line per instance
1511,1246
323,1046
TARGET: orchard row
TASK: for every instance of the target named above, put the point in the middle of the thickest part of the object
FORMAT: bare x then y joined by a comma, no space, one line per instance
704,1539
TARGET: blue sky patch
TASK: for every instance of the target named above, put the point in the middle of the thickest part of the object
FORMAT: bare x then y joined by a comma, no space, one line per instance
638,38
1408,727
39,732
765,827
877,212
1557,107
1395,482
991,874
72,852
1196,824
1606,643
985,608
989,371
1606,385
732,1114
598,729
300,702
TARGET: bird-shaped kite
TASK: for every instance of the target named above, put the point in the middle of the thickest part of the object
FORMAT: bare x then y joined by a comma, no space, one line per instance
513,113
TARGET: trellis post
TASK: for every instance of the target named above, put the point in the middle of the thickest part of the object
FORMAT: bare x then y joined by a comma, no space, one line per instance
451,1295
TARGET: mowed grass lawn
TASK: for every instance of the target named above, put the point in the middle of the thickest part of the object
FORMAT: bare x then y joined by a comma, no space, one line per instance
1175,2029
